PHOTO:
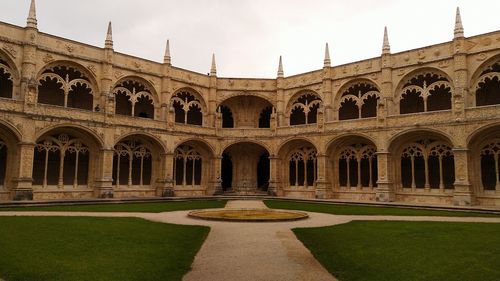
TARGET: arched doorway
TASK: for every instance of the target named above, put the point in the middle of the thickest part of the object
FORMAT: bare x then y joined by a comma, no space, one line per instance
245,168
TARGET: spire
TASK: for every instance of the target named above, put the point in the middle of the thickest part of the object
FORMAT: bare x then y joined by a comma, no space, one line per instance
459,28
280,69
166,58
32,22
213,69
109,37
327,62
386,48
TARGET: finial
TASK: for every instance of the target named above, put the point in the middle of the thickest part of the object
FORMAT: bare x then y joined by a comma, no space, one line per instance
280,69
213,69
166,58
32,22
459,28
386,48
109,38
327,62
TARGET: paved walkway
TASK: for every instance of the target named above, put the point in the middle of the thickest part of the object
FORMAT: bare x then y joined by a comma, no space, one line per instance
253,251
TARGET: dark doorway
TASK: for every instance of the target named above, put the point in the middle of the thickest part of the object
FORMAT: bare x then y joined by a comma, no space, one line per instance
226,172
263,172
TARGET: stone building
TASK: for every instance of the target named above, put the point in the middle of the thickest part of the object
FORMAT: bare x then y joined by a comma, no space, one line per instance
79,121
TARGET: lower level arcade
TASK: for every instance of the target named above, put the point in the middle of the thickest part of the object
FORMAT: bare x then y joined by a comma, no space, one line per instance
420,166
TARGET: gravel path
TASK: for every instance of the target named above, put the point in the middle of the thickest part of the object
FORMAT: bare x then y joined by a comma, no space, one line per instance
254,251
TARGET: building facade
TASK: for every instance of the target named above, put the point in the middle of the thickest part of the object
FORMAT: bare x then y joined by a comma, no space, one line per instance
78,121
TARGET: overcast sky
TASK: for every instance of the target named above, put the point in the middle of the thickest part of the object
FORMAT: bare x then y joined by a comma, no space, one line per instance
248,36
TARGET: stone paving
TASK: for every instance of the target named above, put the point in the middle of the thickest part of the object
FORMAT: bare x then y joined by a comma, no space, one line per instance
254,251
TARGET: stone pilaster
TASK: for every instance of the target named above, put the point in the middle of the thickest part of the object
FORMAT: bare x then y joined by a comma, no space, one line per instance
280,102
104,182
23,176
385,189
463,194
386,104
165,182
327,93
460,80
212,101
217,179
273,176
321,183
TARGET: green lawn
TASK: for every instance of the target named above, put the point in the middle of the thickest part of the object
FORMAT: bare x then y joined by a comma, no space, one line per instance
339,209
153,207
393,250
70,248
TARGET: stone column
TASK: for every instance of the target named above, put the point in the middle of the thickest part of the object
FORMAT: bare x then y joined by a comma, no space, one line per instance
273,176
463,194
23,175
104,182
385,189
321,183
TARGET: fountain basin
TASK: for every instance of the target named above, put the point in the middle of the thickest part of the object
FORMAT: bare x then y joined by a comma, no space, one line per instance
248,215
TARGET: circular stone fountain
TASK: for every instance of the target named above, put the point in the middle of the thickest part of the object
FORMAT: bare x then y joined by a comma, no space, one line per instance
248,215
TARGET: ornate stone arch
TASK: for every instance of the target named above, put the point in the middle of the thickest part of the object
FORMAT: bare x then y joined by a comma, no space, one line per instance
303,106
68,84
135,96
424,89
66,156
196,94
298,164
245,111
137,161
71,128
9,153
361,93
353,161
485,83
257,142
423,160
9,76
248,93
153,140
188,106
484,161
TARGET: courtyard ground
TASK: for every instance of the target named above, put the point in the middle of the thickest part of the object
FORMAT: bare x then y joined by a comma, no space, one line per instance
270,251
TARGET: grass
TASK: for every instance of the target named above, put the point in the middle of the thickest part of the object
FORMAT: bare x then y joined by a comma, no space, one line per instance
153,207
56,248
339,209
392,250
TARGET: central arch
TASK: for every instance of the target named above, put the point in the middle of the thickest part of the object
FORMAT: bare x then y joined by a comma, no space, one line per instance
245,168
